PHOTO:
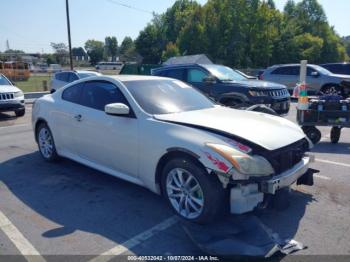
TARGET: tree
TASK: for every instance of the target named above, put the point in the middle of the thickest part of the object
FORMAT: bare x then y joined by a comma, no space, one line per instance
191,39
171,50
60,52
346,41
243,33
309,47
176,17
78,51
290,9
111,47
95,50
151,41
126,45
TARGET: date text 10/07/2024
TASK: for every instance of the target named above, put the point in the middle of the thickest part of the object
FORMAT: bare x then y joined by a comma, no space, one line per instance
173,258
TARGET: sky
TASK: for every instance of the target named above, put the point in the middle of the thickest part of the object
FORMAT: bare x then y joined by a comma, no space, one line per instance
32,25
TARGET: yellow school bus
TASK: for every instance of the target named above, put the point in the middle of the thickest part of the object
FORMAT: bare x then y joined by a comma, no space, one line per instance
15,70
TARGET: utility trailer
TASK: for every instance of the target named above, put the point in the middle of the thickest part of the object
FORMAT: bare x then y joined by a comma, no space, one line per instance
328,110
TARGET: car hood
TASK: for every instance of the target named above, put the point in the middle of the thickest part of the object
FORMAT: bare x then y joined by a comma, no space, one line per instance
8,89
267,131
256,84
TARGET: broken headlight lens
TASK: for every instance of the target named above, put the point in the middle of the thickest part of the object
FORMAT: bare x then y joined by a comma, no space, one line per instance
251,165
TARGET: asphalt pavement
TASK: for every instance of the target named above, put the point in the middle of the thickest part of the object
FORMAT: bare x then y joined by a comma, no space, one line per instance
69,209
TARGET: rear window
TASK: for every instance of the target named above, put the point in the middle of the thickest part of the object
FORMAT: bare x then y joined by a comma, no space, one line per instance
338,68
175,73
62,77
287,70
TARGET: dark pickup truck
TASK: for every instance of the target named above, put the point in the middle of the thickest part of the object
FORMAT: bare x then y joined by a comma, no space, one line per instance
228,87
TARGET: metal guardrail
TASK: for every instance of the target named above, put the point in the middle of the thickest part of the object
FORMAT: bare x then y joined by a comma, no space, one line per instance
31,96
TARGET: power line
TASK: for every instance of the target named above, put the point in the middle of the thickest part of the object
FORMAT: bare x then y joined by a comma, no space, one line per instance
130,7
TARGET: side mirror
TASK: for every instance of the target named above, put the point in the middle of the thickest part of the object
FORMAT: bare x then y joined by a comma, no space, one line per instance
315,74
117,109
209,80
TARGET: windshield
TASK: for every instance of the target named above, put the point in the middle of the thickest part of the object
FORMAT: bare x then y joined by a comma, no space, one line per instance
321,69
167,96
4,81
224,73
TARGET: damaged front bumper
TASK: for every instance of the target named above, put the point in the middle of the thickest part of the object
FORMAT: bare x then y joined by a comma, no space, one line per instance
246,195
288,177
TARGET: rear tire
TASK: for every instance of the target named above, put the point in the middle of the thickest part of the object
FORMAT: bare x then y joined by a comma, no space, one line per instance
46,143
335,134
20,112
191,192
331,89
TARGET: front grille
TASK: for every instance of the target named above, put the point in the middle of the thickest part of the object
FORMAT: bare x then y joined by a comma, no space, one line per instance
287,157
278,93
6,96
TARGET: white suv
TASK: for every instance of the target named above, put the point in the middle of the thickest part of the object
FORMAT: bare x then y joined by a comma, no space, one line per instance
11,97
62,78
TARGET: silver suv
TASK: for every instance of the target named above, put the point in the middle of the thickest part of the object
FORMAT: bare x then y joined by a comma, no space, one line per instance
318,79
63,78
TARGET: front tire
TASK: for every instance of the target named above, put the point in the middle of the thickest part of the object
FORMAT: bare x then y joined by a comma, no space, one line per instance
312,133
46,143
191,192
20,112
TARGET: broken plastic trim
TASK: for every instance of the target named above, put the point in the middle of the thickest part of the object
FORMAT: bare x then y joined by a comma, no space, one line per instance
239,236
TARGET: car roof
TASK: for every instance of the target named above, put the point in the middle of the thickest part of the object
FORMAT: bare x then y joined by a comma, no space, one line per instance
123,78
79,72
285,65
84,72
164,67
341,63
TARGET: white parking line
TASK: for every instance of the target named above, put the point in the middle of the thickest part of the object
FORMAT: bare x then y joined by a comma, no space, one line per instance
332,162
322,177
136,240
19,125
16,237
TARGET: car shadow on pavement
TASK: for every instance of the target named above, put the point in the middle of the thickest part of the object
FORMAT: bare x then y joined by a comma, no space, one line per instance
80,198
6,117
342,148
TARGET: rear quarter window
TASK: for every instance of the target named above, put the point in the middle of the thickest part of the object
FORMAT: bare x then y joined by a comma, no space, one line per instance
73,93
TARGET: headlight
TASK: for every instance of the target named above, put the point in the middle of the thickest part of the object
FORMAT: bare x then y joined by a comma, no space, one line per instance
245,164
19,94
257,93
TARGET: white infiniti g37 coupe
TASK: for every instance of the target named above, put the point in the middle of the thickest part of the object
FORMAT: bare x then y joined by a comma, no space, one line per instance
162,134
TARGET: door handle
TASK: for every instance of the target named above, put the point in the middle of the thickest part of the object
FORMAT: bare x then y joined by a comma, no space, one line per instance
78,117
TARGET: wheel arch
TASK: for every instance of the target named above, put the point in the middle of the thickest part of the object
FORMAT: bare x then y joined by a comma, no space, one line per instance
174,152
328,84
232,96
38,122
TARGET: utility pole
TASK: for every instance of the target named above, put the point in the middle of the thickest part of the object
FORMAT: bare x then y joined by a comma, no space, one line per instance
69,38
7,45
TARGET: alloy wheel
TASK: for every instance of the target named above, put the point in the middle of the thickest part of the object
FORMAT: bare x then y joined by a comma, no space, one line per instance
45,142
185,193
